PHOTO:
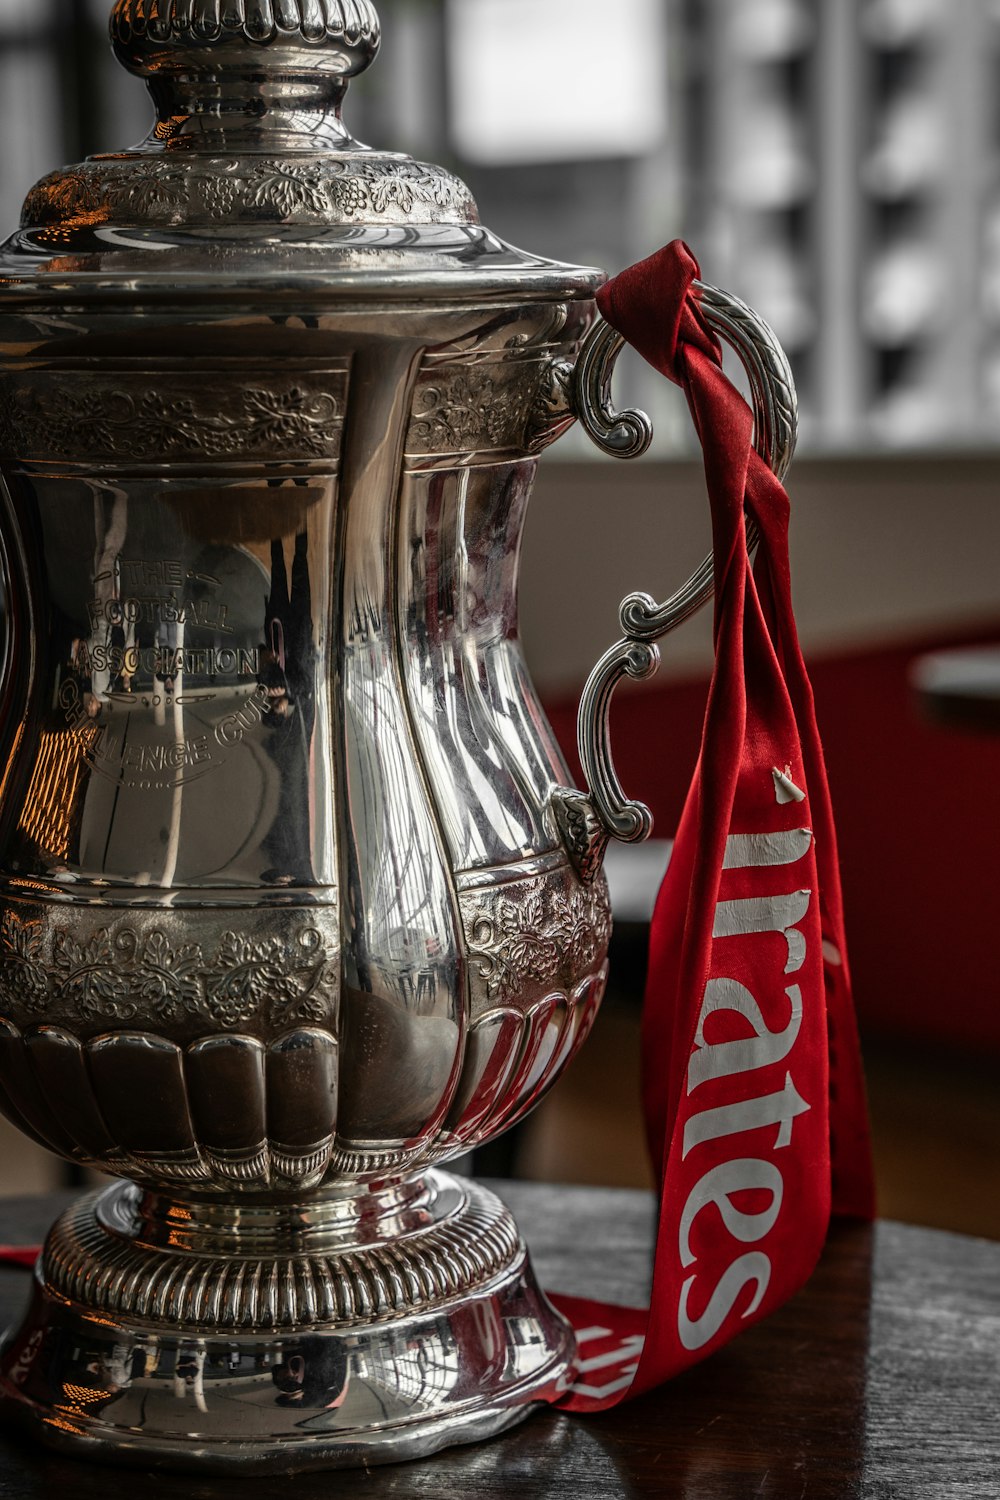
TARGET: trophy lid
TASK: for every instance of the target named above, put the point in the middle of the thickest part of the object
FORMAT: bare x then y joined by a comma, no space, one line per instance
249,175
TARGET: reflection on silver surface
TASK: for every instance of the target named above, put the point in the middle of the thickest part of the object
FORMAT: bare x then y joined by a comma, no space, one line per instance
180,744
250,1361
485,742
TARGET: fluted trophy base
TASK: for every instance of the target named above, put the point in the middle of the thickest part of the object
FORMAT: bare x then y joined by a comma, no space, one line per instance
222,1336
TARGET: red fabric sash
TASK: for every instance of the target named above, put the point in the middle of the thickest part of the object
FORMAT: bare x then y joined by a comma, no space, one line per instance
752,1092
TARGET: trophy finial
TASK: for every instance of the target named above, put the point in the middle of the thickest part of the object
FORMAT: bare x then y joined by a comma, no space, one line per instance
249,59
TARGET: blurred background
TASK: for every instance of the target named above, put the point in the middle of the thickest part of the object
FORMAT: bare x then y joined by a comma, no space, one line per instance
836,163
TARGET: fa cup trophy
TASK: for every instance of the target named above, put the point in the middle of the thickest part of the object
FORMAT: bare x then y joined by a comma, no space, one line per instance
296,902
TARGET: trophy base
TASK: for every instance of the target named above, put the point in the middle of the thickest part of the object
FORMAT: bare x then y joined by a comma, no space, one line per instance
272,1338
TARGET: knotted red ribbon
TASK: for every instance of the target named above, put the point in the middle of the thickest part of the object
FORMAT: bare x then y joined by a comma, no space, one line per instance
753,1092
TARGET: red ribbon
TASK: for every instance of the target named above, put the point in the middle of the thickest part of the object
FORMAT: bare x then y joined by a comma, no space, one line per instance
19,1255
752,1092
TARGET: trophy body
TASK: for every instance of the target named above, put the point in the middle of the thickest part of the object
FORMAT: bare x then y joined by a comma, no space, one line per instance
286,914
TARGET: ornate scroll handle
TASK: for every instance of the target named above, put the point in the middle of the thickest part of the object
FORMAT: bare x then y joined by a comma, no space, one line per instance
588,822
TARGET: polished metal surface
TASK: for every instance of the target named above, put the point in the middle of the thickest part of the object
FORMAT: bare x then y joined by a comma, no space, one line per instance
308,1334
290,908
605,812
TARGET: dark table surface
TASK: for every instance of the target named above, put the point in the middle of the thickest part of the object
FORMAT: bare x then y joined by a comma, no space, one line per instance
881,1380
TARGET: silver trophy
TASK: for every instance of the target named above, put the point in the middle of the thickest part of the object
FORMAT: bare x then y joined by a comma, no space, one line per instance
296,902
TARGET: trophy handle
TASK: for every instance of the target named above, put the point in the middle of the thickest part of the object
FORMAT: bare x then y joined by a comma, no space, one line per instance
588,820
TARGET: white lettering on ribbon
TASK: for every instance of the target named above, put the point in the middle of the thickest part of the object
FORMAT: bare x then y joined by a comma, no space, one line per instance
750,851
718,1186
722,1059
767,914
619,1359
749,1114
754,1266
746,917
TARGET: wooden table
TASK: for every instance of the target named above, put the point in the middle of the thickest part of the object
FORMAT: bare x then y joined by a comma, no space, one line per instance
880,1381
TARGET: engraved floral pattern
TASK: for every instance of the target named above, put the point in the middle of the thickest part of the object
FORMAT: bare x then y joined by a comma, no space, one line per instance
525,933
166,980
123,973
23,978
89,979
154,188
244,975
99,421
309,982
469,410
161,189
288,190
